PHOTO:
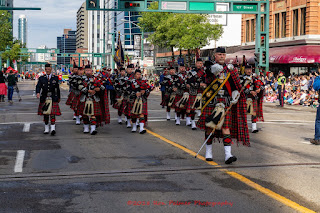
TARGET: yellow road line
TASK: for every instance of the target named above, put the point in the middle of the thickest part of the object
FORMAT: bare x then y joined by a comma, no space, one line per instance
237,176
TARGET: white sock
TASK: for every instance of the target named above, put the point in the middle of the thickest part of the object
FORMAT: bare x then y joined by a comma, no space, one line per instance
78,120
254,126
178,121
208,151
119,119
168,116
53,127
93,128
85,127
141,127
193,124
175,116
134,127
128,123
46,128
188,121
227,151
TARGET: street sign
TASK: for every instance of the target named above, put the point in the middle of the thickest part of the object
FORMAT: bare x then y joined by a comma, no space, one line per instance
173,5
200,6
97,55
245,7
93,4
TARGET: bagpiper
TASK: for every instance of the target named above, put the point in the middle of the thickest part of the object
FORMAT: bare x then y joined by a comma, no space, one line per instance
195,83
90,101
224,107
120,88
48,91
182,96
254,95
138,101
167,84
126,110
74,95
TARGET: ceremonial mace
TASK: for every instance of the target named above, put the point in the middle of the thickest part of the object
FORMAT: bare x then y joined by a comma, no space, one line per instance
222,117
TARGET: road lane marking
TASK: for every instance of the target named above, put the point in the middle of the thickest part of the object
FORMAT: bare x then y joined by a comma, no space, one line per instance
26,127
239,177
19,161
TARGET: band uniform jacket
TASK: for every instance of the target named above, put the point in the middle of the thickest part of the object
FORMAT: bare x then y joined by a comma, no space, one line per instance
46,86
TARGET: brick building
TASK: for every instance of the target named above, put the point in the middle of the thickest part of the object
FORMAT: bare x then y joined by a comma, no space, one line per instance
294,35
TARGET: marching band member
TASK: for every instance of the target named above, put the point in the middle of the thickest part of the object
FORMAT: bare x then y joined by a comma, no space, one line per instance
224,108
48,91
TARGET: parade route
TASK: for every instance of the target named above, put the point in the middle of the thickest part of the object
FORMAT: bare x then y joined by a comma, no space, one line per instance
120,171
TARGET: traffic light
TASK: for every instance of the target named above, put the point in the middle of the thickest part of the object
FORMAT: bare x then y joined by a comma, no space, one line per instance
131,4
263,40
264,57
93,4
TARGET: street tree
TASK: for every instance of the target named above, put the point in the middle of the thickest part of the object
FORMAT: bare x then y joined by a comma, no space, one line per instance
182,31
6,37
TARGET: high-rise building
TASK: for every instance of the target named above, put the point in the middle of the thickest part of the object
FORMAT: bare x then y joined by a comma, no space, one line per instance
67,44
126,24
96,36
22,29
82,27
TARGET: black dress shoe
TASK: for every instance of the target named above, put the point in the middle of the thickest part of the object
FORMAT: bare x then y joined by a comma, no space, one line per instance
255,131
209,159
53,132
231,159
143,131
94,132
194,128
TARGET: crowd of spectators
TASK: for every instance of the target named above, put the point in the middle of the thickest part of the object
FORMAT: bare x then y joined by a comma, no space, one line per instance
298,90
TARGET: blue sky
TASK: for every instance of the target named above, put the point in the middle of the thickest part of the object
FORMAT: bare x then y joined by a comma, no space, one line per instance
44,26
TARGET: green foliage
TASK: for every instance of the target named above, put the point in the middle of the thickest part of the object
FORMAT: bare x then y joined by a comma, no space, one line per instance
14,52
6,37
182,31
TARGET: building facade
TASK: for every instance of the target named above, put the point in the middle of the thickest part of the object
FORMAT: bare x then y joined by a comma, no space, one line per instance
82,27
22,29
67,44
96,36
294,35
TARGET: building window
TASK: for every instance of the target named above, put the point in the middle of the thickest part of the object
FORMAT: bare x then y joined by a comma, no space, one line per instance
303,21
262,24
276,25
252,30
283,24
247,30
295,18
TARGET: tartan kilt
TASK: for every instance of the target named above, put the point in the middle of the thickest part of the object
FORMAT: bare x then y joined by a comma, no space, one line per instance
70,98
144,109
176,100
116,105
227,124
55,109
190,102
165,100
75,102
96,107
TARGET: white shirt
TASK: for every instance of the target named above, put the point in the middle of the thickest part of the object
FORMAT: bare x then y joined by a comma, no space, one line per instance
304,84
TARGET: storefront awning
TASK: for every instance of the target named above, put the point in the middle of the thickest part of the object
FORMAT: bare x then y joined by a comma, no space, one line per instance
282,55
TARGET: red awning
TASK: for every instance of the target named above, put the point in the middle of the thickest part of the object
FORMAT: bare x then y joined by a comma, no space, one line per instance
282,55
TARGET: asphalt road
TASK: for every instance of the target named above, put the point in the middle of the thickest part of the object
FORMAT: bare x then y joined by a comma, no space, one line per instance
120,171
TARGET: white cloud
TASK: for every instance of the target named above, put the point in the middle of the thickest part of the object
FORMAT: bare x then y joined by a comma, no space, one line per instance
44,26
